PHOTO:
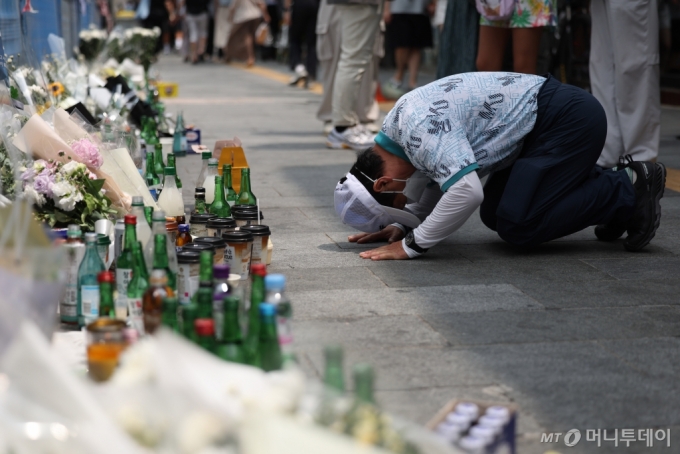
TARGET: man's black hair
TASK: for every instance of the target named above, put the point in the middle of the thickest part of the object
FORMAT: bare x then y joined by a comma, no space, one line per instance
370,166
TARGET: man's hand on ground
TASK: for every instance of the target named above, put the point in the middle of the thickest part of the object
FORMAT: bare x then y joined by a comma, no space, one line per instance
394,251
391,234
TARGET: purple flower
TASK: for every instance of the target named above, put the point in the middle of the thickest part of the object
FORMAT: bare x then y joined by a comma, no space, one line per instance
42,183
28,174
88,153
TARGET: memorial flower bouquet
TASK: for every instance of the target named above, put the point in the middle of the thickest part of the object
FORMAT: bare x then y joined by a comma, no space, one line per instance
27,86
65,194
91,44
144,41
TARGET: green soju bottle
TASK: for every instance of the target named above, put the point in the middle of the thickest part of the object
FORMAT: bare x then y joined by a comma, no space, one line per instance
158,163
179,145
152,180
333,376
136,288
269,350
148,213
169,315
363,421
125,266
189,313
172,163
204,300
199,201
246,196
219,207
106,304
257,274
205,333
160,260
88,286
231,346
232,196
205,273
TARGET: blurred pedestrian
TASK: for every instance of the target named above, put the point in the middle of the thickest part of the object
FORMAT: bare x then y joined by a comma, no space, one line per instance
360,22
197,25
300,16
245,16
160,13
408,32
624,76
222,25
525,25
458,39
274,11
328,37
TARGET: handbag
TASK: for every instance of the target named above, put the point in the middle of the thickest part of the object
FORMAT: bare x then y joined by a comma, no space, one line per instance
263,35
494,10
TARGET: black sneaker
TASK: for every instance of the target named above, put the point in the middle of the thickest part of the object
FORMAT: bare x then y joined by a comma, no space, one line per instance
611,231
649,187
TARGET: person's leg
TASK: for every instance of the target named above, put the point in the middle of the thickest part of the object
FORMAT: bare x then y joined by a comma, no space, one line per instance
295,37
202,24
328,52
492,41
310,40
249,42
414,58
400,61
193,37
525,44
359,27
493,191
635,35
554,188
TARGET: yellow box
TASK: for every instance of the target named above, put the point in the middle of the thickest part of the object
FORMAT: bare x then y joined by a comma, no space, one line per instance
231,152
167,89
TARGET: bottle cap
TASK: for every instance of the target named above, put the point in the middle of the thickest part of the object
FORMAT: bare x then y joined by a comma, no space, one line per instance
74,231
468,409
90,237
138,200
204,327
106,276
472,443
450,432
458,419
183,228
483,432
212,162
169,171
206,154
131,219
274,281
498,411
267,309
199,190
259,269
103,240
158,215
158,277
491,421
221,271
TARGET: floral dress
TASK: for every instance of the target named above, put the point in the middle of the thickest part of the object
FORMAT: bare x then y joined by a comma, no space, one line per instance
528,14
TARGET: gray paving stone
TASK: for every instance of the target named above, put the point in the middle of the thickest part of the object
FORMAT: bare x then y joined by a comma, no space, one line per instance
388,331
325,279
639,267
609,293
513,327
367,302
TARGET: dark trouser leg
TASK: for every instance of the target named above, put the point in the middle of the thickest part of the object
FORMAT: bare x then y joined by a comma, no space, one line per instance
310,33
296,36
554,188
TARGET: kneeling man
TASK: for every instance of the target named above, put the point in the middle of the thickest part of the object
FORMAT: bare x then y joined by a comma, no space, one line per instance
537,139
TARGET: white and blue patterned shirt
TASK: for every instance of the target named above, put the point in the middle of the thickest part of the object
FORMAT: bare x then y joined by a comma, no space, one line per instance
462,123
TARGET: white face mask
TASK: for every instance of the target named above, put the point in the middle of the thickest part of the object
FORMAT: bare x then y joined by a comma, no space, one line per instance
414,188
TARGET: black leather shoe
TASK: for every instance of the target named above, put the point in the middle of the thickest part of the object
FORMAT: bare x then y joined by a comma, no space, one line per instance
611,231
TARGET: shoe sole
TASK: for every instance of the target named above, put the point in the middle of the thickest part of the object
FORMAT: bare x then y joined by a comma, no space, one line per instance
658,189
338,146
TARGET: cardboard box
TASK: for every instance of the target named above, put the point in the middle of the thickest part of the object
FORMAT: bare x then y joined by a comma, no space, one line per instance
167,89
193,136
505,440
231,152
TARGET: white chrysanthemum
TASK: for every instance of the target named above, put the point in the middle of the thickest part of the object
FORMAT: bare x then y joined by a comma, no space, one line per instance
71,167
69,203
38,166
37,90
62,189
34,196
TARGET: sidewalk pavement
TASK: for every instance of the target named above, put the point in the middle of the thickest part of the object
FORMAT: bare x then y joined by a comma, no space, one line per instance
579,333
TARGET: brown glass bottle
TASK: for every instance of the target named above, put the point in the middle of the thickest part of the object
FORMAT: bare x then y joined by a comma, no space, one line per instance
152,303
183,237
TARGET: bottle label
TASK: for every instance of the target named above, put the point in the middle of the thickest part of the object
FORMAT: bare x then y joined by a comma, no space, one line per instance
187,281
285,333
123,278
89,295
69,303
136,314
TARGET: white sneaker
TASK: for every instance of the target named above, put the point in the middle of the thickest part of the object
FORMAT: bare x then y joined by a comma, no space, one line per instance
371,127
353,138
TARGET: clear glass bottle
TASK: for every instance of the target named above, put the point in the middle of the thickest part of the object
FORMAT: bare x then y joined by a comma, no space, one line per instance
209,181
275,285
205,156
142,228
75,250
88,285
158,227
153,300
170,199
